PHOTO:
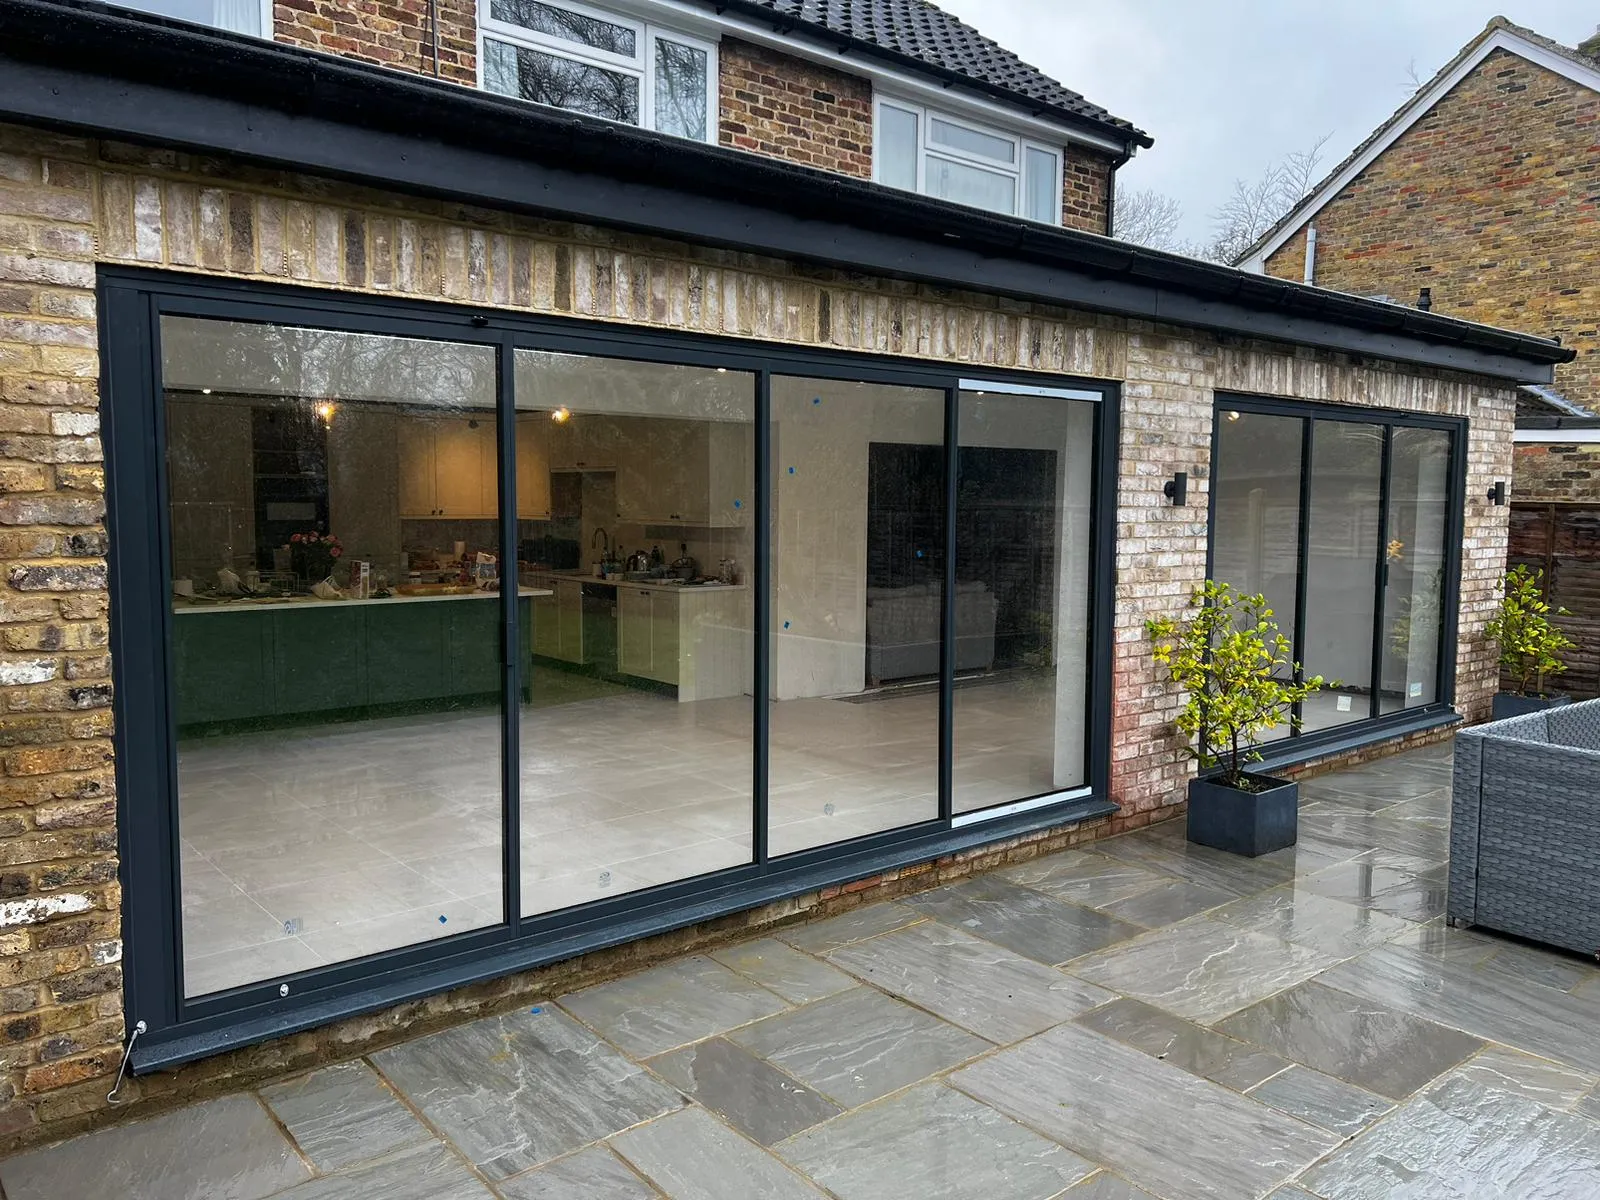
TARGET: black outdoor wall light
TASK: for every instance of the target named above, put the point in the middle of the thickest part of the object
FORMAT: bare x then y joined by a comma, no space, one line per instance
1176,489
1497,494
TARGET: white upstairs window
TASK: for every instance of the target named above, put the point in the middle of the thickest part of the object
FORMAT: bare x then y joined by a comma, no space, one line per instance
924,150
603,64
241,16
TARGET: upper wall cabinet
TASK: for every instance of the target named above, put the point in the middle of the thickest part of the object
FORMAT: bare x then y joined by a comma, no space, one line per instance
584,442
533,466
447,468
672,472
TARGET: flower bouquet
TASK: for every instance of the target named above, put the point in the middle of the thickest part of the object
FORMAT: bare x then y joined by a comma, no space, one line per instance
314,555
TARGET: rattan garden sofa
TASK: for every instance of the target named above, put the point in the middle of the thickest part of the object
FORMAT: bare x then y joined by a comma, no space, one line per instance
1525,827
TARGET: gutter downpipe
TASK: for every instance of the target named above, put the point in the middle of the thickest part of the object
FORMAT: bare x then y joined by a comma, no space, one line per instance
433,27
1111,188
1311,255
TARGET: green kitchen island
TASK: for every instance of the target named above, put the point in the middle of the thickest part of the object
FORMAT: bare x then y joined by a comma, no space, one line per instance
259,664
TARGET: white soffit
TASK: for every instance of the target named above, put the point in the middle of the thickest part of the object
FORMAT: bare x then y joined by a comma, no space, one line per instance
1418,107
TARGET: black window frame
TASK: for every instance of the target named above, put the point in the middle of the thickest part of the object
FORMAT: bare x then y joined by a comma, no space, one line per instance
132,302
1300,746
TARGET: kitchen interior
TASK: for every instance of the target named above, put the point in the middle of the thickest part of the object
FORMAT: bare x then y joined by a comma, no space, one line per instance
334,517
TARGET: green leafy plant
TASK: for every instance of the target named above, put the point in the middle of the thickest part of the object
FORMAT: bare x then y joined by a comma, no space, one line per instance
1530,644
1227,655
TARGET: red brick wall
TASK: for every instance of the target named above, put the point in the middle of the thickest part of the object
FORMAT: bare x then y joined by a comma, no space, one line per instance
1086,189
389,33
1559,471
1491,200
788,108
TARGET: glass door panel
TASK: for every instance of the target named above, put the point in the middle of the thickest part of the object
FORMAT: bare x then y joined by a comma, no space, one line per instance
635,483
1343,529
1024,544
858,516
1256,514
336,663
1414,567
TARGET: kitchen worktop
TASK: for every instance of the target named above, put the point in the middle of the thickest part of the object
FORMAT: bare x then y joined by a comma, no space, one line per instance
655,584
247,605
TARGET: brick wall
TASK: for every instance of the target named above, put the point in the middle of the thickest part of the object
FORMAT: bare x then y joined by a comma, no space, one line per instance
1493,201
1560,471
389,33
67,203
1086,188
788,108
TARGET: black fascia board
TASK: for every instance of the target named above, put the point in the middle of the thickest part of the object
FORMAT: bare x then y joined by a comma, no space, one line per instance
105,72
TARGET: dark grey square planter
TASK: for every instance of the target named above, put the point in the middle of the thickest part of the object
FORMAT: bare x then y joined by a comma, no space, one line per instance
1509,704
1248,823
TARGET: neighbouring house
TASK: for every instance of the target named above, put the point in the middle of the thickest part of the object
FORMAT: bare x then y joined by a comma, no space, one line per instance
455,546
1484,191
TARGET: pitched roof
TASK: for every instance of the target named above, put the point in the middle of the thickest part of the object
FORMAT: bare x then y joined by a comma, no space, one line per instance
1498,34
924,36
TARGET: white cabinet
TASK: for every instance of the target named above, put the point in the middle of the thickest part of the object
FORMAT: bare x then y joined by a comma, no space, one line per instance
558,619
635,633
583,442
675,472
448,467
533,467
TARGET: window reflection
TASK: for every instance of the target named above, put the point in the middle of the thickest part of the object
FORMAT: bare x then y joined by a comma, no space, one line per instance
336,652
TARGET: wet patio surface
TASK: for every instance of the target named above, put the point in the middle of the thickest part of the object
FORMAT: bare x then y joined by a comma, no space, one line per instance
1139,1019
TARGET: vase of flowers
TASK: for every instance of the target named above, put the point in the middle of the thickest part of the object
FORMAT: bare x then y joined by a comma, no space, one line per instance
314,555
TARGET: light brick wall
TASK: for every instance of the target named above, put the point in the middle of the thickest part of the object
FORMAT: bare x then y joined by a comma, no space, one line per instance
1490,200
67,203
387,33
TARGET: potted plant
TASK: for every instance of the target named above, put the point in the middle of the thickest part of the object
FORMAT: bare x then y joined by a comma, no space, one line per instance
1233,665
314,555
1530,644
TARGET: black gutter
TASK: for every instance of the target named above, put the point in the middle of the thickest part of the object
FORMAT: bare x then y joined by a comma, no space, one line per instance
108,72
786,24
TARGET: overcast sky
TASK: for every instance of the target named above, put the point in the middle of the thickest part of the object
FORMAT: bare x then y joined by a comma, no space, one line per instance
1227,87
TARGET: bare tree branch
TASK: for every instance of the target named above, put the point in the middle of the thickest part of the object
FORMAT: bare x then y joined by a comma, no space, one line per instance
1255,206
1146,217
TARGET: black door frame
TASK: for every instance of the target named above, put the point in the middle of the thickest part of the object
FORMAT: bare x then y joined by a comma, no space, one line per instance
1378,726
132,302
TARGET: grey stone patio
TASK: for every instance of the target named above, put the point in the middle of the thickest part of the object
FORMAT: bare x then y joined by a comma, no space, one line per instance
1142,1019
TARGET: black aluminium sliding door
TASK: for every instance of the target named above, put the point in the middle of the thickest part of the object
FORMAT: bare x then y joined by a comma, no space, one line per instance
1349,521
356,763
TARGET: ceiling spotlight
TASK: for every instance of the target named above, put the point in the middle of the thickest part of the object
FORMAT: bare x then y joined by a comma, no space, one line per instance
205,391
325,411
1233,415
722,370
560,415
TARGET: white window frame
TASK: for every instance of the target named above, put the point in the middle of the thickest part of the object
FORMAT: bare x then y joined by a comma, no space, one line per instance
1016,169
641,66
265,33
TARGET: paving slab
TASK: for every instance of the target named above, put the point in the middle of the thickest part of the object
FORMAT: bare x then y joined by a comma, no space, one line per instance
1084,877
690,1155
672,1005
1200,1051
1376,1047
1372,884
934,1144
1322,1100
343,1114
859,1045
777,966
1103,1185
747,1092
1167,903
1496,1007
225,1149
1306,918
1162,1128
1524,1075
969,981
517,1090
1201,969
1021,919
1169,853
1461,1139
427,1172
592,1174
869,920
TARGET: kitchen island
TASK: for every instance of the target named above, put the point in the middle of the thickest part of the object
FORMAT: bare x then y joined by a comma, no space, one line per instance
260,663
693,637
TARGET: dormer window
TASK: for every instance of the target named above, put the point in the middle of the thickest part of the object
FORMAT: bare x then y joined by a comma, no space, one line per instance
939,154
603,64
